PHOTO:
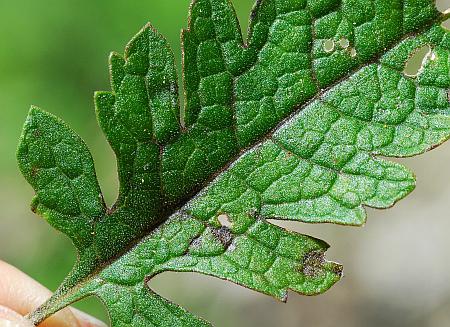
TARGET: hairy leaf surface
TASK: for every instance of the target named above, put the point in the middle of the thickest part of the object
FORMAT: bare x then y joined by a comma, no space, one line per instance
295,123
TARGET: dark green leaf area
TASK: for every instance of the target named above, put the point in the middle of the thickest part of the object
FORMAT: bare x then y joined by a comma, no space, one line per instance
139,116
58,165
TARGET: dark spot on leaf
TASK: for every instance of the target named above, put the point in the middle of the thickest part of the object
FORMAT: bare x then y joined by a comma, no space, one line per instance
34,171
196,242
37,133
255,12
338,270
313,263
223,234
34,204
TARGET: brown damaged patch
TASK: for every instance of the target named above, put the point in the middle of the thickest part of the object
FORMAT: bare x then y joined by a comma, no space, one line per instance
289,155
34,205
223,234
338,270
313,263
196,242
34,171
37,133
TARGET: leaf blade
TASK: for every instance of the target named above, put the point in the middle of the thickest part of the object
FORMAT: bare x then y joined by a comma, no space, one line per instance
59,166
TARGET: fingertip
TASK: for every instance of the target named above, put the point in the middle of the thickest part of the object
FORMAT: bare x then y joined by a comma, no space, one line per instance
9,318
23,294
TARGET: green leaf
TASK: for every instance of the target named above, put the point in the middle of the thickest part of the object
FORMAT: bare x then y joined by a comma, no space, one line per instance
57,163
144,308
293,124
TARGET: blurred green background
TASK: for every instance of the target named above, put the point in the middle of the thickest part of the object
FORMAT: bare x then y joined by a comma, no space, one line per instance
53,54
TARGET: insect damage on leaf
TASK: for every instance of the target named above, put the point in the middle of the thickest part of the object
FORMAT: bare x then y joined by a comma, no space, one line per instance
295,123
313,264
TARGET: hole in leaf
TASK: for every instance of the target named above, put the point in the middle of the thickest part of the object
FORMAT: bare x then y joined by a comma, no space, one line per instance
442,6
328,45
417,60
353,52
344,43
224,220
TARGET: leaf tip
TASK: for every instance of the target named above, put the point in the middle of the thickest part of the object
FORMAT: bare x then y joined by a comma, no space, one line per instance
33,111
22,149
